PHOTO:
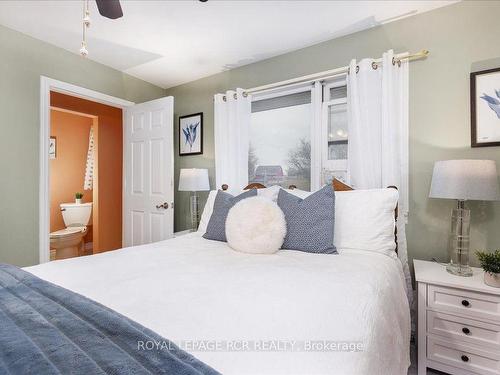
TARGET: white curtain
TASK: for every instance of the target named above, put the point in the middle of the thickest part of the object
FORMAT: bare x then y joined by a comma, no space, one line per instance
232,112
377,96
88,181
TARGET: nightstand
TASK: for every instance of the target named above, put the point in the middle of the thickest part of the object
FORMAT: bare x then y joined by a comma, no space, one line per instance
458,322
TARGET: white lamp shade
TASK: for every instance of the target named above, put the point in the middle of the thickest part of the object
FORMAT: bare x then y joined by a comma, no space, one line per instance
465,180
193,179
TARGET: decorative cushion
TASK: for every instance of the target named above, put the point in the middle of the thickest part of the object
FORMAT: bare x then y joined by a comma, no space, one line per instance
255,225
216,228
309,221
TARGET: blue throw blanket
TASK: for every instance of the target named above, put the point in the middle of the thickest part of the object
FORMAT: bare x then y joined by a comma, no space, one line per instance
46,329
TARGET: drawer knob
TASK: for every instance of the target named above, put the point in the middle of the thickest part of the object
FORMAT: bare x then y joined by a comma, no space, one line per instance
466,330
465,358
465,303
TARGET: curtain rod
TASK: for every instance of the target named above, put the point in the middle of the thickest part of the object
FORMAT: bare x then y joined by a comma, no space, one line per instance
332,73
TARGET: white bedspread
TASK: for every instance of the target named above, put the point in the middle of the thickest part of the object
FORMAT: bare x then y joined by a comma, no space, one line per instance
189,289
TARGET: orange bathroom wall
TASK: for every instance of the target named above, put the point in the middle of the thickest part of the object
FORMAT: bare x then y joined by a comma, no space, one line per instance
108,173
67,170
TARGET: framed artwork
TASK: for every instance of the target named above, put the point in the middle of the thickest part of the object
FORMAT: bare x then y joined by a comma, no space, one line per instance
52,148
485,108
191,134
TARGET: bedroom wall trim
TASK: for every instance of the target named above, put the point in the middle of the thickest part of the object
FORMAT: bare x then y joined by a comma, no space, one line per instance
46,86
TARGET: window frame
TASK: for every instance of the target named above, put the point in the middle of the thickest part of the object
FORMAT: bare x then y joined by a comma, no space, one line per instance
329,167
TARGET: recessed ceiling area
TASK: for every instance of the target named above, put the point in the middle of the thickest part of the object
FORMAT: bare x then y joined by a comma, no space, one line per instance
169,43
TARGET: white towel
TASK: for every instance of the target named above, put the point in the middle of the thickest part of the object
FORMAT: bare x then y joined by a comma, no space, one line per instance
89,169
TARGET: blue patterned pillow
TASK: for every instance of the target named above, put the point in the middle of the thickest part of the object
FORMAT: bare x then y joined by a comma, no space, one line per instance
309,221
216,228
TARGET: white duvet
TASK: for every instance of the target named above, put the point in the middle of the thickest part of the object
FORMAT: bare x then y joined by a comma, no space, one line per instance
215,301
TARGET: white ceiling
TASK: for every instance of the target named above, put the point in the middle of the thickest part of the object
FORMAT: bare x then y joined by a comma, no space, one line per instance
169,43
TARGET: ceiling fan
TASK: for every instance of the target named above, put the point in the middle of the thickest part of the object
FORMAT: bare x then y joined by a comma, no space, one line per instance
110,8
107,8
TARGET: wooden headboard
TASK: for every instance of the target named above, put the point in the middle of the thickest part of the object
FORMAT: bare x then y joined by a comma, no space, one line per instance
337,186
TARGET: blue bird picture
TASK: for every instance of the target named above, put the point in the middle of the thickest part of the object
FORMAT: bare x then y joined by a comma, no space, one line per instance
190,134
493,103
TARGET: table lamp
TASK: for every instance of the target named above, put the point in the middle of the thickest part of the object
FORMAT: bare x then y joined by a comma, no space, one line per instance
194,180
463,180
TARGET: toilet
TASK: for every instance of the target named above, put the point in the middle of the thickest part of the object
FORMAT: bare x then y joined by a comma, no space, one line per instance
68,242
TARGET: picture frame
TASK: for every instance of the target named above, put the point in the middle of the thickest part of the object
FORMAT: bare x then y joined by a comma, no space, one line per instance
485,108
52,147
191,134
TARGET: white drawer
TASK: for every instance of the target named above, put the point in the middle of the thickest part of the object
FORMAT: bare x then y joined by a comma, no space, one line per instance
464,303
463,356
464,329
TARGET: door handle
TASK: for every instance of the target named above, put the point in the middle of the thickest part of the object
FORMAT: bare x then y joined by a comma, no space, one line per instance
164,205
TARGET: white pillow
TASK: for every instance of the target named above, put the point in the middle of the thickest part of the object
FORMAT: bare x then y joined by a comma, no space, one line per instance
300,193
255,225
207,211
364,220
270,193
273,191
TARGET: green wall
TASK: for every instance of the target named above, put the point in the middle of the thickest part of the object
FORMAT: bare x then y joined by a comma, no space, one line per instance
461,38
22,61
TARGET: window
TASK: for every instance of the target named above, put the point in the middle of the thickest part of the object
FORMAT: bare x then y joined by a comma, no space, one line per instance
280,140
335,131
286,138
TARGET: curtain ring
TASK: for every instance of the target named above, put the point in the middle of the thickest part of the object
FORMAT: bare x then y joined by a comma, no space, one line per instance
348,70
374,65
357,68
224,98
235,96
398,61
245,94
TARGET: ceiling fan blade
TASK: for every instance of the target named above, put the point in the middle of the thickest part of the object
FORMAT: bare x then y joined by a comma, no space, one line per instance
110,8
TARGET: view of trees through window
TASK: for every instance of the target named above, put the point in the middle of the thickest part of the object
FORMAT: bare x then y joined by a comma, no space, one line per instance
280,146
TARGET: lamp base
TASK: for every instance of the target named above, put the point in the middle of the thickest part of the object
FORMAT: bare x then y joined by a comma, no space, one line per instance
459,241
195,213
458,270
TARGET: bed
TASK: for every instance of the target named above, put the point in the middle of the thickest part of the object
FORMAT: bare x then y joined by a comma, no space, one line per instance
287,313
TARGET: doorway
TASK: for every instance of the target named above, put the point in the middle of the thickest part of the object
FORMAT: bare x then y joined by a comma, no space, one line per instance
93,175
73,193
67,97
146,171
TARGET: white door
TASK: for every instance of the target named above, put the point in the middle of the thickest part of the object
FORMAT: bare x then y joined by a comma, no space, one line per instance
149,181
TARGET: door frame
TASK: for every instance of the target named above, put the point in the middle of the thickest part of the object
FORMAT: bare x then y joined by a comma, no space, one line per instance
46,86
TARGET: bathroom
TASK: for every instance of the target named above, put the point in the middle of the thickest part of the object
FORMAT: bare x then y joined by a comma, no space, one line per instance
85,157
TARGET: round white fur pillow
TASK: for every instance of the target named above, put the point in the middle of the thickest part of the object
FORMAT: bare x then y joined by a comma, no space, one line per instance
255,225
